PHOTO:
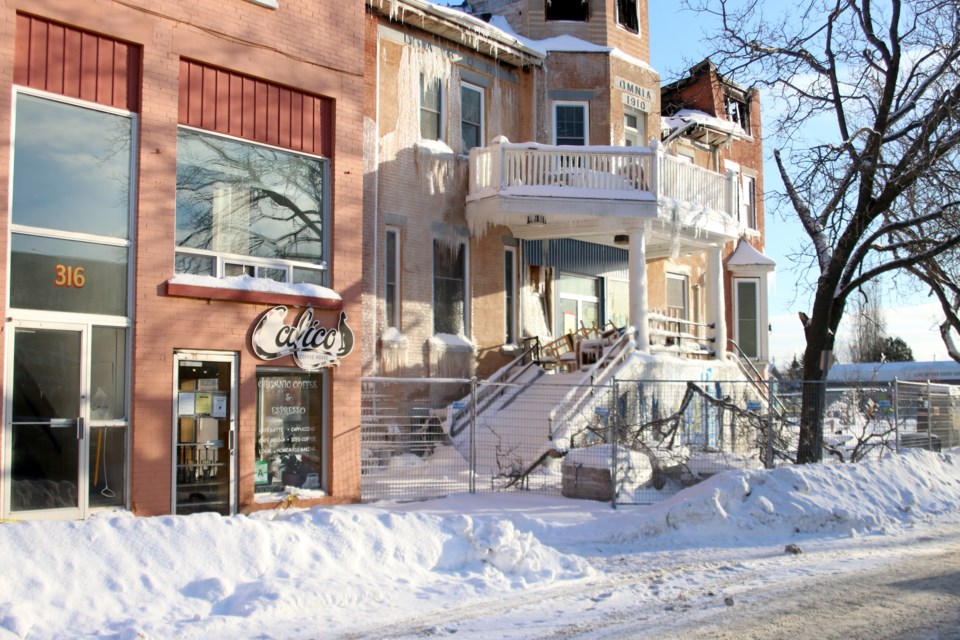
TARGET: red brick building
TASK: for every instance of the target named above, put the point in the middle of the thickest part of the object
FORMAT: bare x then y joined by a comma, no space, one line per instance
182,211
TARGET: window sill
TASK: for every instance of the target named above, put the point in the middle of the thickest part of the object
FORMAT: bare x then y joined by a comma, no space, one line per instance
201,291
269,4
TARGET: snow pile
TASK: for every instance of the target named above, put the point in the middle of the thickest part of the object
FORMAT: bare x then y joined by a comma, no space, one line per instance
835,499
154,575
292,573
249,283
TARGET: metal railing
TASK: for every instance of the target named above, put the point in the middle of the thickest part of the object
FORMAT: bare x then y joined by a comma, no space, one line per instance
623,441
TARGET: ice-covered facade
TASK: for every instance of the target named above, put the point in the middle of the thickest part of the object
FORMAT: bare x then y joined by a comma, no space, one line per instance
530,186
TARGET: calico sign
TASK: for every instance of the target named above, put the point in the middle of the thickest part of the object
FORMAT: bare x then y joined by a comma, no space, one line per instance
311,345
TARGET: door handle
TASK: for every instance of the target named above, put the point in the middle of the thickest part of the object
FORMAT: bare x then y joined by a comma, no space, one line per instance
231,440
79,428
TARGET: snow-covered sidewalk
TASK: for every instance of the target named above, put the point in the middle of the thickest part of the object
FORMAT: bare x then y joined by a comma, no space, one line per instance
329,572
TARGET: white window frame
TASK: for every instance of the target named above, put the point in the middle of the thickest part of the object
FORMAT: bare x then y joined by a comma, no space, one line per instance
440,112
466,284
510,294
761,320
395,265
481,137
256,264
748,199
639,132
685,280
584,106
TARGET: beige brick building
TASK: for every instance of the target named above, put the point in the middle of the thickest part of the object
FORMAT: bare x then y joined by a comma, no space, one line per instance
526,181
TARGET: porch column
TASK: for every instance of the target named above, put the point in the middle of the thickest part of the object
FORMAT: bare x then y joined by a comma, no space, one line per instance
638,288
717,298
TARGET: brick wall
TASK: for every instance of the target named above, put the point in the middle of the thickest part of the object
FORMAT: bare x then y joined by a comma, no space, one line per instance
309,46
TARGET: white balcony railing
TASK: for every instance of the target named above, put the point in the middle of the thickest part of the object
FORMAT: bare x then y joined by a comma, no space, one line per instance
641,173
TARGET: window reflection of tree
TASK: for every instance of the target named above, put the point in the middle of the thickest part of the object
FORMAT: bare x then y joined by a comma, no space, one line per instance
269,201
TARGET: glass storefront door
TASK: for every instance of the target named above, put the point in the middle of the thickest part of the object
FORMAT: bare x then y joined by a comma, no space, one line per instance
204,433
46,421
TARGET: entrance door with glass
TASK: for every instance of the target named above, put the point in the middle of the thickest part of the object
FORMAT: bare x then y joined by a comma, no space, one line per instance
46,413
66,420
205,432
579,303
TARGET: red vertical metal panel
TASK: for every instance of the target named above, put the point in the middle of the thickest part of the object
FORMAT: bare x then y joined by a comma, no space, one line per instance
296,121
71,63
55,56
75,63
21,70
183,97
283,119
248,130
88,67
238,105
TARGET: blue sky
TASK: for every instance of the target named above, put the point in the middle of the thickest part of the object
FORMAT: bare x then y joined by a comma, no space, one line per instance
914,318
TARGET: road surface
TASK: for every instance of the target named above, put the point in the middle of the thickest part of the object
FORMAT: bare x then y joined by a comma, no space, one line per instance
876,587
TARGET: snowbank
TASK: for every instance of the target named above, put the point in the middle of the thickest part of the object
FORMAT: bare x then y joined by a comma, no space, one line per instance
290,573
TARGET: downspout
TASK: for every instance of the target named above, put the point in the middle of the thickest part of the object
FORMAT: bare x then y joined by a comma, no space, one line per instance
376,205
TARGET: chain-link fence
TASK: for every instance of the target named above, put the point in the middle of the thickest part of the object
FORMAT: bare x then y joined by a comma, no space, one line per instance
626,441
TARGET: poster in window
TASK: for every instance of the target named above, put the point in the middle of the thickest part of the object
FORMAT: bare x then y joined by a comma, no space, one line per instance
289,431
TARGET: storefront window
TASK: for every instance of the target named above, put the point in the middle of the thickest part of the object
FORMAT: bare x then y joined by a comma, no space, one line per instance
51,274
245,208
289,449
71,168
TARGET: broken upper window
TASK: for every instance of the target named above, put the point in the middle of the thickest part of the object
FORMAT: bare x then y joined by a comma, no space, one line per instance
737,111
627,15
574,10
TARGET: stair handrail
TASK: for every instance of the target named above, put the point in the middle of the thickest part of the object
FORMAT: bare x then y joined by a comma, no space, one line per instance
491,392
574,399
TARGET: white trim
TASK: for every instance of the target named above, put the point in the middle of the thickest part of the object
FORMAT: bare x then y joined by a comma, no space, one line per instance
759,283
397,263
685,280
231,357
584,105
82,510
275,263
467,295
129,242
269,4
441,114
511,326
483,114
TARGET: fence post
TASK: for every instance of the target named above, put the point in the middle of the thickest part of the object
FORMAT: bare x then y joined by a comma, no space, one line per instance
896,415
615,437
929,420
771,390
472,483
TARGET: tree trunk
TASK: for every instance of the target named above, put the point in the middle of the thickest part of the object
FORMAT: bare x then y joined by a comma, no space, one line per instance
820,331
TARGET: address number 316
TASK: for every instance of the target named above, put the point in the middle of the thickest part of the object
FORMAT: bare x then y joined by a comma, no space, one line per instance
69,276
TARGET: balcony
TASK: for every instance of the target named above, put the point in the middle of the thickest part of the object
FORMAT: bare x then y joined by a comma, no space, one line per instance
596,193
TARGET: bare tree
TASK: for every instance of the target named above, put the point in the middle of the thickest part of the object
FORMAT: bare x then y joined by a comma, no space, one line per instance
878,82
